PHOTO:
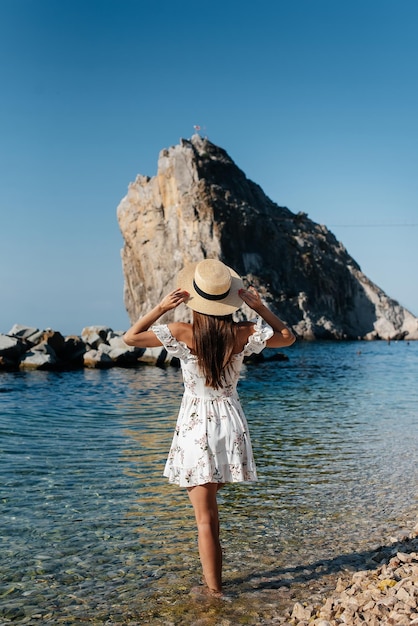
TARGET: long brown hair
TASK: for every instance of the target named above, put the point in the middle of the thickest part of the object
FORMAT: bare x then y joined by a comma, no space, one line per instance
214,341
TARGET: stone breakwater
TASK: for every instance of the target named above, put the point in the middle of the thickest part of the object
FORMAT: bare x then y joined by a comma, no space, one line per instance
26,348
385,596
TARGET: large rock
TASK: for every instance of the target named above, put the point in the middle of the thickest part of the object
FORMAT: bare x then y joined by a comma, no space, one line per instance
95,335
73,351
11,350
10,346
40,357
201,205
97,359
105,344
23,332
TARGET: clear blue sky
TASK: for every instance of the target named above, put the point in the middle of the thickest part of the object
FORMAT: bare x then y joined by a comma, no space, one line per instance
316,100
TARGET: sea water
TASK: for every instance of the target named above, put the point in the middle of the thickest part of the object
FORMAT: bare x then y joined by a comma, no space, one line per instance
92,533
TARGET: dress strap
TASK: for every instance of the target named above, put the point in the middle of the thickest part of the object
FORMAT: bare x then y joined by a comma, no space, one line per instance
170,343
257,340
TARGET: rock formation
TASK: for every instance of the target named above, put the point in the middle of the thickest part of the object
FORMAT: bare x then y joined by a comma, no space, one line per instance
201,205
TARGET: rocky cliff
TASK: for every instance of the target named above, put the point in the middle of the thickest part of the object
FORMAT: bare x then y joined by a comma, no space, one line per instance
201,205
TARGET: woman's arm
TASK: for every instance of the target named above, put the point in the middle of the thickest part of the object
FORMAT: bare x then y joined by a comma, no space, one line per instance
139,335
283,336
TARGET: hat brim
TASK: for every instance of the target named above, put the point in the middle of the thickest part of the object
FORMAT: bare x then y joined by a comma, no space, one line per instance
226,306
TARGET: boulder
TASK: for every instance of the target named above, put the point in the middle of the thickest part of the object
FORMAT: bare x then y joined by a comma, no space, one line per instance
11,350
95,335
40,357
156,356
54,339
22,332
72,351
120,353
10,346
97,359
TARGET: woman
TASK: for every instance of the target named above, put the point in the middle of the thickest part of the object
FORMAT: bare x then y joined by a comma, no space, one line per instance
211,444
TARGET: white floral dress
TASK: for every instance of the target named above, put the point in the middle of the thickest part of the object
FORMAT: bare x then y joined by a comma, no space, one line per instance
211,442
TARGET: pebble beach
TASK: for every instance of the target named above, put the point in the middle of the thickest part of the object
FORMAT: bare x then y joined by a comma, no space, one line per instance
386,595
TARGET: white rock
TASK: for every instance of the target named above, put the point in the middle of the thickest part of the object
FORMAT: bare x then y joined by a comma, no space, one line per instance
42,356
300,612
8,344
95,335
21,331
97,359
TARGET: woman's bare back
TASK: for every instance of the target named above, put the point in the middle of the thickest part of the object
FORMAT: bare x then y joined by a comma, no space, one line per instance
183,331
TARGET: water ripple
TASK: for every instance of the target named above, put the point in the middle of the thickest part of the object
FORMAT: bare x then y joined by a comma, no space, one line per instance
91,530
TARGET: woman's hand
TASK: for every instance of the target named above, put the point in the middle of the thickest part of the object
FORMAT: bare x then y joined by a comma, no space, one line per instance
139,335
173,299
283,336
251,297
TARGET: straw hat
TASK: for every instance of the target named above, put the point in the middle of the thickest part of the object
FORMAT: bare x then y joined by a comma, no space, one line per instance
213,287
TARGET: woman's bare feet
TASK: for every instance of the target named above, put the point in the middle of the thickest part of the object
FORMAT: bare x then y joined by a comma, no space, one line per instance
203,590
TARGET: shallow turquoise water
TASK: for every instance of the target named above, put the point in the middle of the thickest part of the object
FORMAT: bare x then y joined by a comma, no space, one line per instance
92,533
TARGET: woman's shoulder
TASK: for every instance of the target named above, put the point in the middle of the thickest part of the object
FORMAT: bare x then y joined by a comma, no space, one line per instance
244,328
243,331
182,331
173,337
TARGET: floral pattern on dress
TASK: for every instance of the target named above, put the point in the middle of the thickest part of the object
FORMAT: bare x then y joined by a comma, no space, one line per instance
211,442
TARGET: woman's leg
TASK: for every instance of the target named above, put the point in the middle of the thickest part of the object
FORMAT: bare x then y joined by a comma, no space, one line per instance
203,498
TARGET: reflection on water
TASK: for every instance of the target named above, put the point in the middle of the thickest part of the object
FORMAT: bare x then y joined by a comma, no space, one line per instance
91,531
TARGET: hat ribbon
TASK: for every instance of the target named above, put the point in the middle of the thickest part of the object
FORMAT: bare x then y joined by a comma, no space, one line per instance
209,296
